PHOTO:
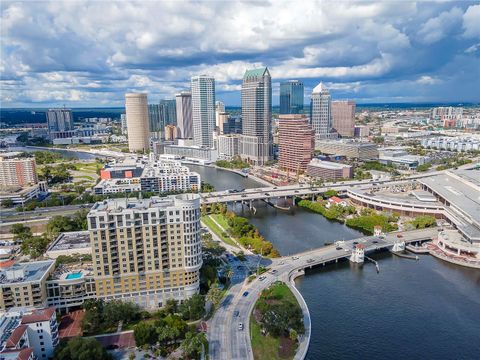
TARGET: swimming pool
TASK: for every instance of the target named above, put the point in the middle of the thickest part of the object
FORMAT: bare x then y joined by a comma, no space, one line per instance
76,275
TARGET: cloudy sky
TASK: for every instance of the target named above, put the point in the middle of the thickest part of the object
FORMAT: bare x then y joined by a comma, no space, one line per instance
89,53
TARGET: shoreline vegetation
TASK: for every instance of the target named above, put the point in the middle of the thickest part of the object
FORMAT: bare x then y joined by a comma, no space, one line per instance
238,228
365,221
275,324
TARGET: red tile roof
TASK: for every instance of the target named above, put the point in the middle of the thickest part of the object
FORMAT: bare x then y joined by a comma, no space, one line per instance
6,263
38,315
22,354
336,199
15,336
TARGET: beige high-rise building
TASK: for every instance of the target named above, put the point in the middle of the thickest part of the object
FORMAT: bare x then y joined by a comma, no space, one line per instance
146,250
222,119
136,109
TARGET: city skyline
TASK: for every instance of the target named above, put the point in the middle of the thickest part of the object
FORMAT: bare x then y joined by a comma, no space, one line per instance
367,52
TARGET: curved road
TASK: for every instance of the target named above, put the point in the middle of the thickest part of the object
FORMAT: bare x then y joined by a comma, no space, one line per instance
228,341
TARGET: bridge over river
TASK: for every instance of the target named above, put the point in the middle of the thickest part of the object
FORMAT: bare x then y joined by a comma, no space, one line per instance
226,341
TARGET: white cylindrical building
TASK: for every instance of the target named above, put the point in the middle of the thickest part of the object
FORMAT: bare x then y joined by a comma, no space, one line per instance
136,109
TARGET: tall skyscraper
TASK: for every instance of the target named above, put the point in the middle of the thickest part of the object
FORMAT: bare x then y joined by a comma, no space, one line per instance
296,142
146,251
184,115
168,112
59,120
256,139
291,97
156,124
321,112
203,110
123,123
343,117
219,109
136,109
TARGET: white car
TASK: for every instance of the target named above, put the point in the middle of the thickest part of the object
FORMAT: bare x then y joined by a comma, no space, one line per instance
240,326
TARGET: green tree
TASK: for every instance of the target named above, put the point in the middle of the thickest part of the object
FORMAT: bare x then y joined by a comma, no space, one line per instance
194,344
21,231
81,349
193,308
7,203
215,295
329,193
145,334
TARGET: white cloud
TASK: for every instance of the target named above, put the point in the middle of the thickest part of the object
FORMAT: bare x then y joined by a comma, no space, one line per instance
471,22
439,27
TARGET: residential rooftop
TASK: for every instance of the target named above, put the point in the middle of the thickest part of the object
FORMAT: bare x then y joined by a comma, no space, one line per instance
71,240
24,272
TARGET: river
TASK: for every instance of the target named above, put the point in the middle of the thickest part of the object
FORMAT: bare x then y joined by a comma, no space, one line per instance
410,310
81,155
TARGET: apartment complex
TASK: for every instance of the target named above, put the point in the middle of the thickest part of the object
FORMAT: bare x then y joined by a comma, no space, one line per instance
59,123
16,171
23,284
343,117
155,176
203,110
327,170
184,115
256,139
349,149
228,146
291,97
296,142
136,108
28,336
146,251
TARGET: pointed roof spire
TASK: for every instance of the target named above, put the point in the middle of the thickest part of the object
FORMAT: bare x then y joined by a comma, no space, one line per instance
319,88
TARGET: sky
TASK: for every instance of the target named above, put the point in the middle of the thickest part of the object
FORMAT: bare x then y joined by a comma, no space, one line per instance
90,53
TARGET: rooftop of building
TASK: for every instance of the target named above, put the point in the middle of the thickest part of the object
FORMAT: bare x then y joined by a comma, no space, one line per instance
346,142
319,89
15,336
71,240
39,315
256,72
23,272
16,354
460,188
118,205
397,194
9,154
328,164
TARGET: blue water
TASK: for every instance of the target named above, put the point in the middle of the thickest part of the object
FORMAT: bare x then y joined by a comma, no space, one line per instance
76,275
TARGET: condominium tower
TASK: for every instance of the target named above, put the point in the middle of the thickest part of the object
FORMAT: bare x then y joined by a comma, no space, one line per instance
184,115
296,142
168,111
256,139
291,97
136,109
219,109
59,120
156,123
321,112
343,117
146,250
203,110
17,171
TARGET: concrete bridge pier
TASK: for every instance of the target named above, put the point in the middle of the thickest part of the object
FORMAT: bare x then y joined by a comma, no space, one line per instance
358,255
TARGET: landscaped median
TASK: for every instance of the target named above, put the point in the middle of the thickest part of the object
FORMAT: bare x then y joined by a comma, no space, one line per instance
275,323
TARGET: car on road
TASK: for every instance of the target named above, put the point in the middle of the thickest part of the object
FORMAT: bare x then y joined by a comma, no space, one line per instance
240,326
310,261
294,257
245,294
261,278
355,242
273,271
375,241
338,248
281,263
347,250
236,313
399,236
267,194
296,191
244,195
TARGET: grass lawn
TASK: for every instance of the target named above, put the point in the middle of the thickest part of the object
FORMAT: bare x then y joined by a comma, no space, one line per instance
217,230
221,220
